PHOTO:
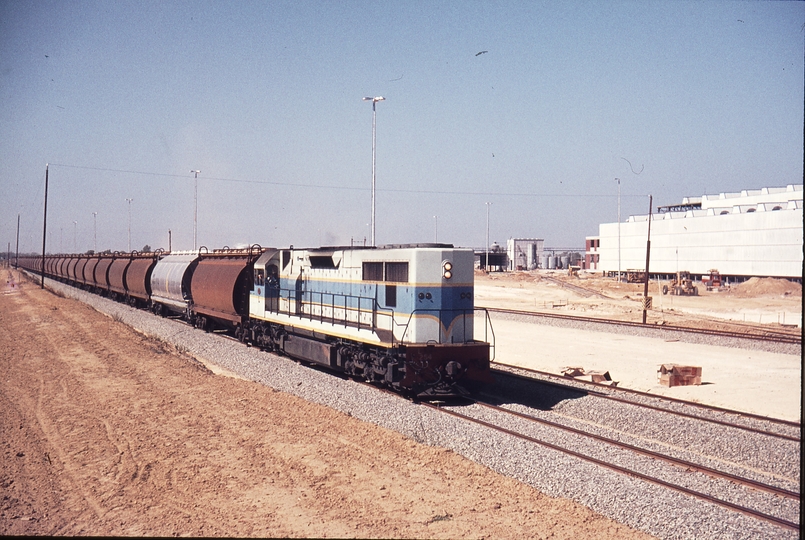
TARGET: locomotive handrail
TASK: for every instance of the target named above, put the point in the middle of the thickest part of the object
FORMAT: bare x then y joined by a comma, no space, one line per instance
353,307
488,324
353,311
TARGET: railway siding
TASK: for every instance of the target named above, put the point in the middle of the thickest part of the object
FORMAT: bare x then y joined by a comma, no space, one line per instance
775,343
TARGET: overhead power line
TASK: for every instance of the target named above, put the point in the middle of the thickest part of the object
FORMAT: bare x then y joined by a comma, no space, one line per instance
344,188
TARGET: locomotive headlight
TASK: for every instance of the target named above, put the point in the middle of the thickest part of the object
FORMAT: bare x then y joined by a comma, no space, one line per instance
447,270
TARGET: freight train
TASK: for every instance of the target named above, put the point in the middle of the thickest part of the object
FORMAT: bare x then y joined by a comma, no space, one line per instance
399,316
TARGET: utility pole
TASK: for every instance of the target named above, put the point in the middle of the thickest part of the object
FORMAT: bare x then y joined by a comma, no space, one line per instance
646,299
45,226
95,231
169,241
17,258
129,200
195,211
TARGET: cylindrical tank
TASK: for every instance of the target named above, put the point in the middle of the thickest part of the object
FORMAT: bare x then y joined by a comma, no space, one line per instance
89,271
61,267
102,273
117,275
79,270
551,262
170,280
138,277
220,286
71,268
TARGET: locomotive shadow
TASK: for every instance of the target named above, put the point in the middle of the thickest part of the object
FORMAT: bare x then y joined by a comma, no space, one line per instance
536,394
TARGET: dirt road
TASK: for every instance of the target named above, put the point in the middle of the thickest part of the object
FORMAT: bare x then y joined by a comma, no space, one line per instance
105,432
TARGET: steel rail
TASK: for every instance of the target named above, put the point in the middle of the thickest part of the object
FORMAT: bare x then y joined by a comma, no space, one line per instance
587,293
773,338
726,504
713,408
689,465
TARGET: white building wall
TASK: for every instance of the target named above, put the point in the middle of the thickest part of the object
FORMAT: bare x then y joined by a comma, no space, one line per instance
524,252
752,196
750,240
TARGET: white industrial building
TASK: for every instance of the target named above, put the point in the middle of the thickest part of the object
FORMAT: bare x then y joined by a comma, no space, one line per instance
524,253
752,233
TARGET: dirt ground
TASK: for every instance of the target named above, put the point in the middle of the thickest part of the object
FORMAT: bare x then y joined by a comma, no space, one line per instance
773,304
105,432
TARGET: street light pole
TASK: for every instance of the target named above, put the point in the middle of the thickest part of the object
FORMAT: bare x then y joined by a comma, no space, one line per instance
195,211
45,226
619,229
486,263
374,101
95,231
129,200
17,258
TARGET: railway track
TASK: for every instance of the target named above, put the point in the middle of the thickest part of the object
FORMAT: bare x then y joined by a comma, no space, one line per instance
581,291
752,423
751,333
769,499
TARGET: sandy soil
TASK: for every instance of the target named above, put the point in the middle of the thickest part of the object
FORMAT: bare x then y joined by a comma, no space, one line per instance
772,303
103,431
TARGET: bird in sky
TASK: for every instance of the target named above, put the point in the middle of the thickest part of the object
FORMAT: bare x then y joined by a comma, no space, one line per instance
480,53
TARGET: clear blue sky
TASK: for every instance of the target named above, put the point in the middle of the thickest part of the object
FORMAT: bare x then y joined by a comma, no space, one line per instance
123,99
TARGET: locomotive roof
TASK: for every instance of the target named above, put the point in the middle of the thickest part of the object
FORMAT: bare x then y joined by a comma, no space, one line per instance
386,246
